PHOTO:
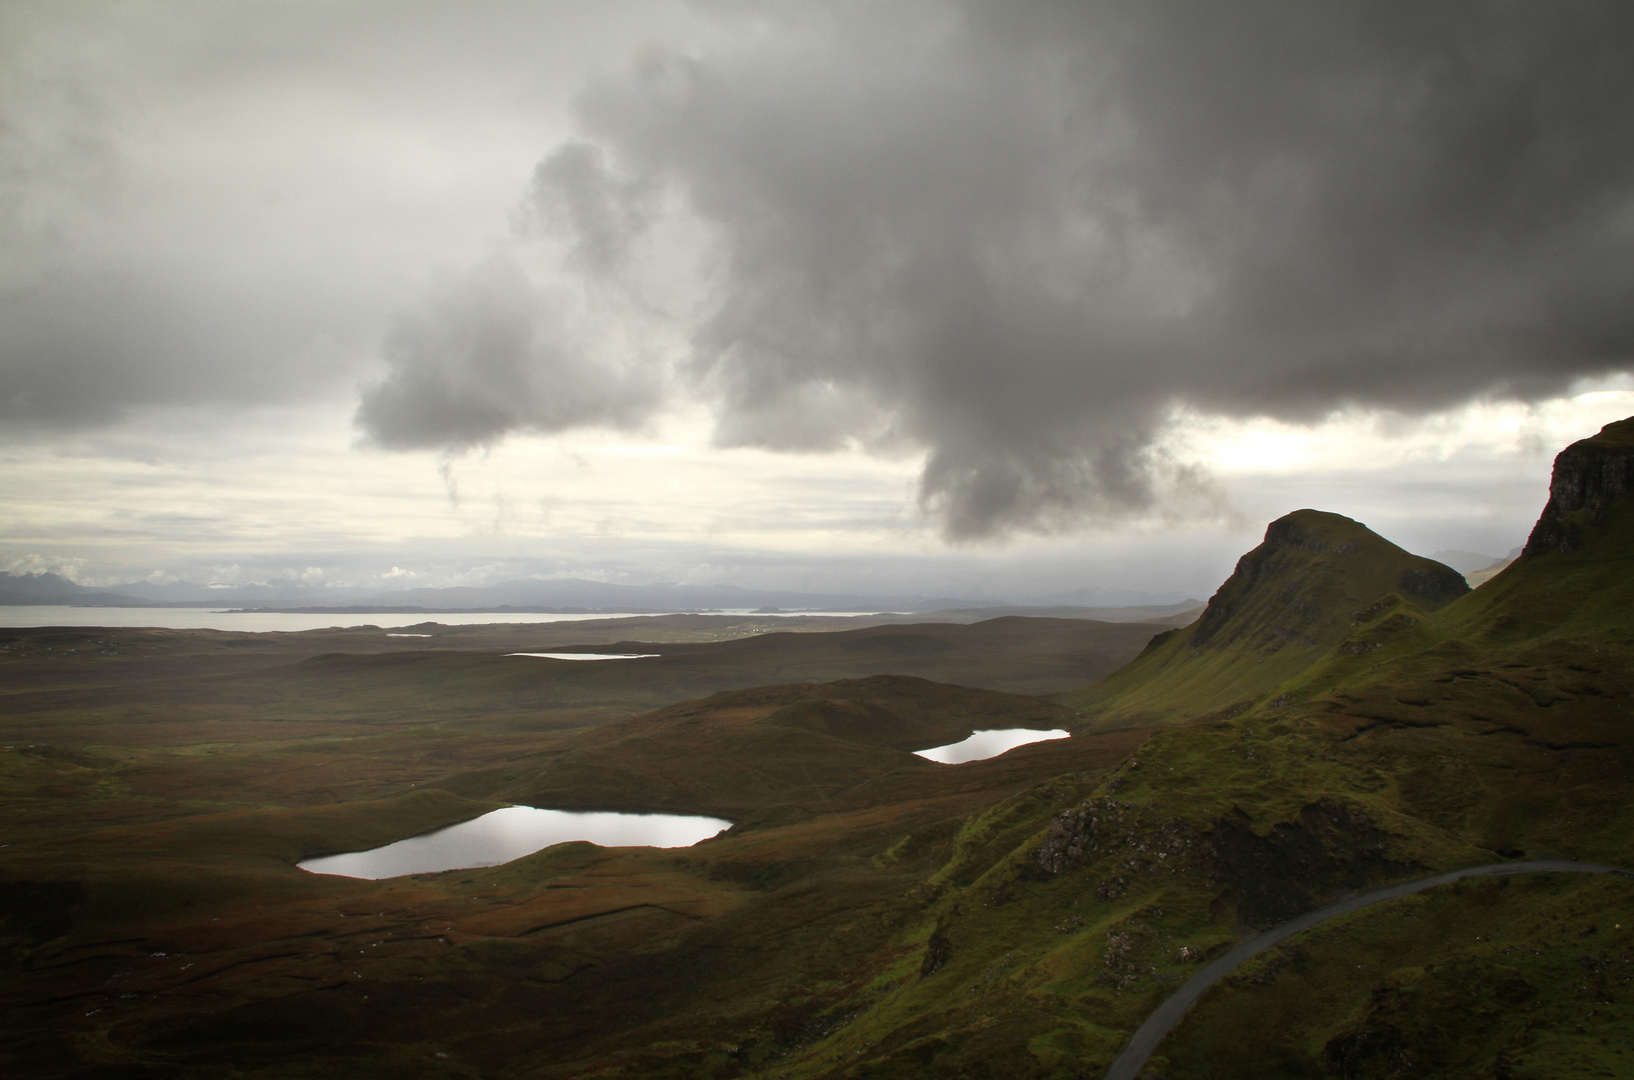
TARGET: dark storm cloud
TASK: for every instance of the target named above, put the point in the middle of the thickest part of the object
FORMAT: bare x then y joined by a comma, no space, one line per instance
1019,234
1014,234
487,354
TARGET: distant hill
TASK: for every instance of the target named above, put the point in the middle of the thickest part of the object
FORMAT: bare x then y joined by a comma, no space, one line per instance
1289,602
554,595
1158,614
1476,568
558,595
1477,578
582,594
1466,562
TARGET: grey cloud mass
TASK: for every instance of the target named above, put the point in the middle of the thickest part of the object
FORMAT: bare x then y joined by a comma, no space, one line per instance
1020,234
1015,235
219,206
486,355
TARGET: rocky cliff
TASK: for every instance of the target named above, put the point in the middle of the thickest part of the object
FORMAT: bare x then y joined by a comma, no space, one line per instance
1590,476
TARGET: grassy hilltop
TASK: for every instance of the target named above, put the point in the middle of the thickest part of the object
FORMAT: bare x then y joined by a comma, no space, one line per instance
1343,714
1288,604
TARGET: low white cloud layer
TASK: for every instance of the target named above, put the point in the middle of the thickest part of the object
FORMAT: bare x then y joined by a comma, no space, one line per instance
285,494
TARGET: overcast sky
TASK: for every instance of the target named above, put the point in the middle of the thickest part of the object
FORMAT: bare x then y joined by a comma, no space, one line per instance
970,298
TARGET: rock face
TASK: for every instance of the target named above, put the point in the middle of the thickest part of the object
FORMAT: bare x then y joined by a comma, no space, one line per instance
1296,866
1589,477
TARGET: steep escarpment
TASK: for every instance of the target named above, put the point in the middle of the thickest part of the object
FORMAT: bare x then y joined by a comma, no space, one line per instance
1590,477
1289,602
1575,578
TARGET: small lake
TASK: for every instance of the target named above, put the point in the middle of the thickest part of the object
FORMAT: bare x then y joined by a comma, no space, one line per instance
587,655
512,832
985,744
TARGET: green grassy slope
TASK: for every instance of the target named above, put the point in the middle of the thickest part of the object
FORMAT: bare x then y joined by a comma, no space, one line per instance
1499,727
1289,602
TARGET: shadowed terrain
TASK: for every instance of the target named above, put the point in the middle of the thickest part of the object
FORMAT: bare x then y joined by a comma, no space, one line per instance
79,678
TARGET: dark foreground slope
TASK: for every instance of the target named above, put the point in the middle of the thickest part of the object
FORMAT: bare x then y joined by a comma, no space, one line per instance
1289,602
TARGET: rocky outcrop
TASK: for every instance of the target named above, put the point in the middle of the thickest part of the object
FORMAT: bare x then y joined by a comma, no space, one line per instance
1267,879
937,952
1298,865
1589,477
1106,826
1436,584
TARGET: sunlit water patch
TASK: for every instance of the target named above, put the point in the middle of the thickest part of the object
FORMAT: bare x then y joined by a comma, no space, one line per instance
586,655
986,744
512,832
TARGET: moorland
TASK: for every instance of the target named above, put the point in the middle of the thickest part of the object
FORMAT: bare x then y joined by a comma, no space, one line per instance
1342,715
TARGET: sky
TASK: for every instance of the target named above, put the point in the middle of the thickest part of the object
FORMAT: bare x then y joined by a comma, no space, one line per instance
962,298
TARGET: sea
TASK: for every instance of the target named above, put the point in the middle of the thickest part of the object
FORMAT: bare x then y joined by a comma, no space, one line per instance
23,615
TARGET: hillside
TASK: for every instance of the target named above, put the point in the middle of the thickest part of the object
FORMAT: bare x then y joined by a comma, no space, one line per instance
1349,718
113,686
1287,604
1499,727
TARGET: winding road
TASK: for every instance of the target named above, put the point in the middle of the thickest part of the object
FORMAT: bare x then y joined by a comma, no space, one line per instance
1168,1014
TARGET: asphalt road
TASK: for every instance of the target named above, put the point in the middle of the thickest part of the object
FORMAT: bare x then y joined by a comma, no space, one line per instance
1168,1014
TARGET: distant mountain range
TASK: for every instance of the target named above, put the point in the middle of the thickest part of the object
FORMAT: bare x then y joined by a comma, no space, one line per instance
549,595
55,589
1471,562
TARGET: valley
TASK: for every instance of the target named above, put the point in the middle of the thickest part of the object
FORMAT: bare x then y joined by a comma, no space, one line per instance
1343,716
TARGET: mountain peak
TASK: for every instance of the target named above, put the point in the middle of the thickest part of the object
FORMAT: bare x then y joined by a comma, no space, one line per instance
1311,571
1288,603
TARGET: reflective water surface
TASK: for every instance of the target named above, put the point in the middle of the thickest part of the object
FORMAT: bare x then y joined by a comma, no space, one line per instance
985,744
586,655
21,615
512,832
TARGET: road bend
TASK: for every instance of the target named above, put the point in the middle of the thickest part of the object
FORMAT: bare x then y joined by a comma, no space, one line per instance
1167,1015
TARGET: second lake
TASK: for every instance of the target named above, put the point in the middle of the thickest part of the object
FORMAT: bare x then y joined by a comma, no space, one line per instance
985,744
512,832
